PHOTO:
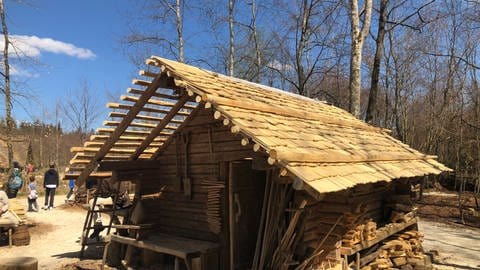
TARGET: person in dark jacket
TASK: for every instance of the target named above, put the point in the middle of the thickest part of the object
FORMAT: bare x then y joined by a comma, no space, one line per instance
50,183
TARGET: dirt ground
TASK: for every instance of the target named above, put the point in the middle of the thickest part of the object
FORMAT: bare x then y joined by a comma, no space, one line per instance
458,246
55,240
54,236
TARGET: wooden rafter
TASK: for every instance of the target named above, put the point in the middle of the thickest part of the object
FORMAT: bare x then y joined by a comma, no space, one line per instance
137,124
160,81
113,105
159,95
147,73
154,102
102,138
162,125
179,129
143,117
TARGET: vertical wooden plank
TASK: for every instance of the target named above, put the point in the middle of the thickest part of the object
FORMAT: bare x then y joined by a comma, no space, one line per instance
223,174
231,219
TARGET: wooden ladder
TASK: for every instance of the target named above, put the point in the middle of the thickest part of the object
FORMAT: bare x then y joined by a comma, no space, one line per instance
87,226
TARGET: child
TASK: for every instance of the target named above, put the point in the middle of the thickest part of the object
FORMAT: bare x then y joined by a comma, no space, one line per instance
32,195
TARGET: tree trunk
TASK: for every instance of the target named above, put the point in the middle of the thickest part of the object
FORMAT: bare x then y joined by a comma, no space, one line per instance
231,4
355,80
358,37
8,94
372,98
178,14
258,58
301,45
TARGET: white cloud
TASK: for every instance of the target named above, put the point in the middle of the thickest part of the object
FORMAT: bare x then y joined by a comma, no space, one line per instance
14,71
275,64
33,46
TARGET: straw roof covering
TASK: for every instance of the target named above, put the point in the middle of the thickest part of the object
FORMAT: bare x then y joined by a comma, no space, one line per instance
322,146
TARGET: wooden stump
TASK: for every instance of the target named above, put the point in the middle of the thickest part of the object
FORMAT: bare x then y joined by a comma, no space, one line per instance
21,236
19,263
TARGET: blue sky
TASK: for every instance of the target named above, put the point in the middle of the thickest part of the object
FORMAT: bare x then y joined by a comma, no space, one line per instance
68,41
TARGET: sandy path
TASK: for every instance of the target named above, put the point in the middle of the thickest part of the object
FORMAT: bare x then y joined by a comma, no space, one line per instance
54,238
458,246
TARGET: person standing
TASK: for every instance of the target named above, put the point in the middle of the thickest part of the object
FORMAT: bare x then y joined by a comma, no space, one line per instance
50,183
15,181
71,185
32,194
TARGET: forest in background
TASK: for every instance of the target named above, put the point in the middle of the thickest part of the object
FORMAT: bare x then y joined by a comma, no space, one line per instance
418,65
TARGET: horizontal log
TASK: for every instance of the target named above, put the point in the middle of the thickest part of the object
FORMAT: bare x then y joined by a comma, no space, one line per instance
93,174
201,158
138,124
192,234
201,226
340,156
102,138
112,150
147,73
132,132
157,102
120,144
114,105
196,148
141,82
148,118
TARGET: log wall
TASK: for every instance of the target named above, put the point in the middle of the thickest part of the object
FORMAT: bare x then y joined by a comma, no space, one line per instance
201,215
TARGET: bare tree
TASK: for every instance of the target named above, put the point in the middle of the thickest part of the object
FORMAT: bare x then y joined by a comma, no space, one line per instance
6,89
258,54
81,109
231,5
379,41
168,13
358,37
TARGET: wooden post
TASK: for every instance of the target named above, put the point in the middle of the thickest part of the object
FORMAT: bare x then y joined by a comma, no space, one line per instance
422,186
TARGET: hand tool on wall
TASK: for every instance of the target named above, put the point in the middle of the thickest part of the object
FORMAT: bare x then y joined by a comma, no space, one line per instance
187,184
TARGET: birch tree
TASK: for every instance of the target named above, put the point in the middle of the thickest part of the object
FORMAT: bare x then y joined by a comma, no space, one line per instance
358,36
231,5
6,87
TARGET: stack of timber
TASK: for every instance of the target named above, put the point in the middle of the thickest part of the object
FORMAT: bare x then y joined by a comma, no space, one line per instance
401,251
362,232
20,236
345,217
214,215
18,210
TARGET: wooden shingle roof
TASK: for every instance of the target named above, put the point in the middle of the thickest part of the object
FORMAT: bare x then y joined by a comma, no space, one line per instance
324,147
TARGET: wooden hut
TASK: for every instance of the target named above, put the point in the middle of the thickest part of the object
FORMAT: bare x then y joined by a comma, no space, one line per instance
231,174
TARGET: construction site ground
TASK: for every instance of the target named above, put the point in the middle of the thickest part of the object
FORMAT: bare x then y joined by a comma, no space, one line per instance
55,242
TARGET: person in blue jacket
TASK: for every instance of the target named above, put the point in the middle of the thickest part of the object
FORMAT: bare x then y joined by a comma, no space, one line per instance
71,185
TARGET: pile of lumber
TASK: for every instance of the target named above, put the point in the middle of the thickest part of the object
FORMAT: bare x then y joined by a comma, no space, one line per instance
341,219
18,210
20,236
366,231
214,217
401,251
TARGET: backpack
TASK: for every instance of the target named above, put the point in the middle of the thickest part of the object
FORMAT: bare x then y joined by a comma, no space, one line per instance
15,181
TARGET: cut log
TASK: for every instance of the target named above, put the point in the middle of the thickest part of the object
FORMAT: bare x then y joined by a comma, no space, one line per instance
19,263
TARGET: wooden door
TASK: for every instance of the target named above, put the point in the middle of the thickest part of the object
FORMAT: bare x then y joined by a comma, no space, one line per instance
246,191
